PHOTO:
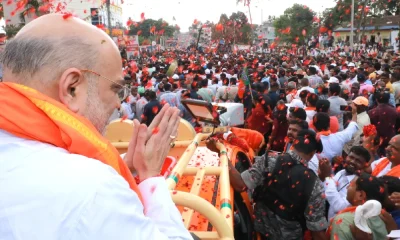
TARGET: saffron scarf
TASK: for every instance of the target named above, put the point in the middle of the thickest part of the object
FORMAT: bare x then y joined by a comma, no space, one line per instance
394,172
310,108
286,146
322,133
49,121
348,209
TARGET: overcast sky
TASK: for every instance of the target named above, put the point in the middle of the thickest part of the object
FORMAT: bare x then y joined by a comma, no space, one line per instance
186,11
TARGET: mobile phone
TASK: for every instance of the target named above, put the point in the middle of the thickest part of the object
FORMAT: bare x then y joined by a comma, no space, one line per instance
345,108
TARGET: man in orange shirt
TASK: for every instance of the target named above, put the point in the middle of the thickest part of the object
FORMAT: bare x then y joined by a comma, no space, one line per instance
323,106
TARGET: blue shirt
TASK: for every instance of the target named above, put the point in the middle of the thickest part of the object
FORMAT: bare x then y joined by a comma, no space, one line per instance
396,216
372,103
170,98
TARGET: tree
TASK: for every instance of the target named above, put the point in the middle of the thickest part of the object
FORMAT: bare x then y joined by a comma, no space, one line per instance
151,27
38,8
340,15
235,29
295,25
151,30
12,30
271,19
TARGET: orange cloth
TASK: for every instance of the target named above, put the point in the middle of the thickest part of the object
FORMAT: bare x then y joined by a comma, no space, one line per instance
241,89
333,126
349,209
309,108
322,133
46,120
286,145
379,167
253,138
394,172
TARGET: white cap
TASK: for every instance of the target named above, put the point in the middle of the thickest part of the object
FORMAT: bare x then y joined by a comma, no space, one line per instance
296,103
207,71
333,80
175,76
351,65
379,72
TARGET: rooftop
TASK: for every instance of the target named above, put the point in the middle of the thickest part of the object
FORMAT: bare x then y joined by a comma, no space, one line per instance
383,23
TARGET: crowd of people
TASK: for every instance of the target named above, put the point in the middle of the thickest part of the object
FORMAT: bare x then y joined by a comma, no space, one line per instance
333,116
330,167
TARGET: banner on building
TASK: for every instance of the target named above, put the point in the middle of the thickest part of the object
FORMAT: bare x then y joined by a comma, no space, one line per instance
132,45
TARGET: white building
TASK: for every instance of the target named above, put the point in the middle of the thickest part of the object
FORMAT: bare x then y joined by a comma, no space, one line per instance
81,9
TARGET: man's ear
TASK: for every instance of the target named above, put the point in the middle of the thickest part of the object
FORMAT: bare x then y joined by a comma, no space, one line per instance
72,85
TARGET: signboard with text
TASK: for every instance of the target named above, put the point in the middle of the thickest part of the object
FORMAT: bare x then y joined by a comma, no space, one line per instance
132,45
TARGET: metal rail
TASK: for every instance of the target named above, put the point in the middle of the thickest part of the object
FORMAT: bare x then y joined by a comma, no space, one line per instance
222,220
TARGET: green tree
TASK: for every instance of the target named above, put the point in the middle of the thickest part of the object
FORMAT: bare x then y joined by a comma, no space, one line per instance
295,21
364,10
159,26
151,30
236,29
12,30
341,13
32,6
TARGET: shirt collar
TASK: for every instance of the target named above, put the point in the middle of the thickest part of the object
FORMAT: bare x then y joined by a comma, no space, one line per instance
362,114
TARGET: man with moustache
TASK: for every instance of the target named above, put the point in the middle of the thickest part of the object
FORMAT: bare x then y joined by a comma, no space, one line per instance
336,187
295,126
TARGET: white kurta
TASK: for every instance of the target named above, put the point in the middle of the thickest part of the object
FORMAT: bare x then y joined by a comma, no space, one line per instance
48,193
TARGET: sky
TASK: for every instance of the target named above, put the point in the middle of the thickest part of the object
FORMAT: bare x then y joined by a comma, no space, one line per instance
186,11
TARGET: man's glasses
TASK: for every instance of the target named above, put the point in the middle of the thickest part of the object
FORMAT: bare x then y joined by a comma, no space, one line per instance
122,94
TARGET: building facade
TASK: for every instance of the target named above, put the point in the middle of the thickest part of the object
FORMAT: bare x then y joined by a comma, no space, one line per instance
387,27
91,11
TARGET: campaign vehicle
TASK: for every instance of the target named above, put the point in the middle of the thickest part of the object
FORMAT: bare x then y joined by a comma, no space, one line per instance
198,178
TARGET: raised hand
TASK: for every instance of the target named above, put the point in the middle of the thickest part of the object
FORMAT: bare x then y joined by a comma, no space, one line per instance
325,168
149,146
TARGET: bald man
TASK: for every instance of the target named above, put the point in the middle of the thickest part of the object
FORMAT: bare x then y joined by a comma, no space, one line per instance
59,178
389,165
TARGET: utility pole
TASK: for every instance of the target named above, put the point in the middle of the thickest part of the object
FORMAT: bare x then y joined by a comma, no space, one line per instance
352,26
234,33
109,17
198,37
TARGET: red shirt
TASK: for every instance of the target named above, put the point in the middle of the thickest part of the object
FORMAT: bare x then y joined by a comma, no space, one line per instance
257,120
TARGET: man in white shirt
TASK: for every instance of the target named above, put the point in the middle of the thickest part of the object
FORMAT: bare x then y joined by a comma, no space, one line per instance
304,86
336,187
363,120
333,142
336,102
50,188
